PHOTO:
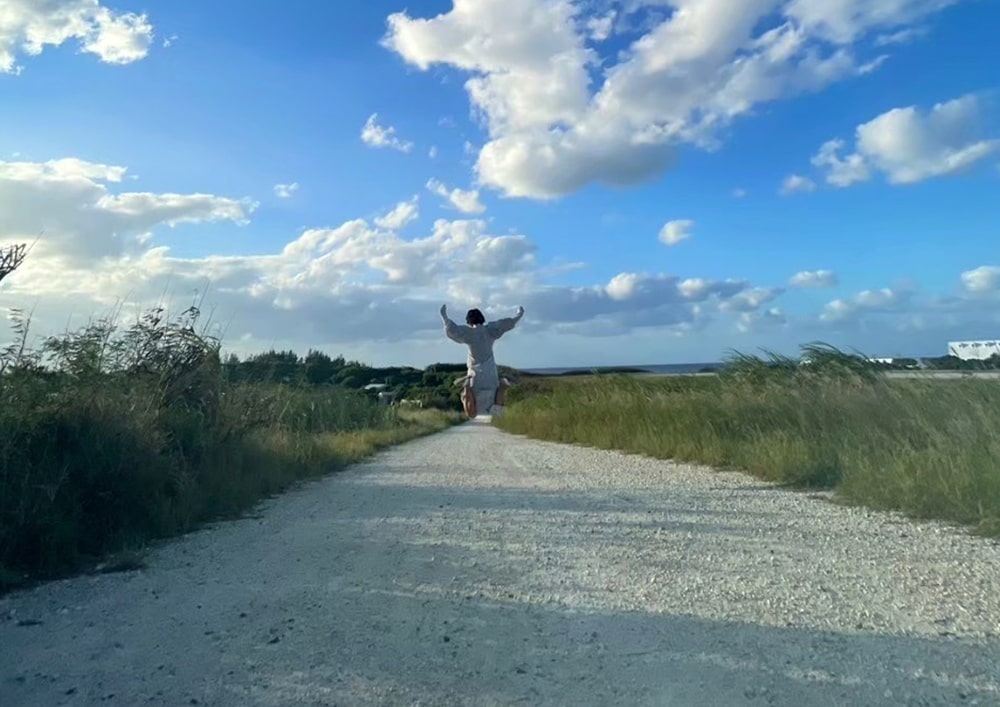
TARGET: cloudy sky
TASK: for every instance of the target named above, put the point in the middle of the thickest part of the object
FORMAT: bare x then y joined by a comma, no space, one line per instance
655,181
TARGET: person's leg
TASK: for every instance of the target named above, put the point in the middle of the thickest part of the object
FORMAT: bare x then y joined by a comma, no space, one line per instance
484,400
469,400
502,392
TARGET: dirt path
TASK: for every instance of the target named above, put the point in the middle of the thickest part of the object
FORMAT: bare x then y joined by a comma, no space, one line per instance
476,568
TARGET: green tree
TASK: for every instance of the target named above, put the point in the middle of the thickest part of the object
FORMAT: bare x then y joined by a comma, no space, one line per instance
320,368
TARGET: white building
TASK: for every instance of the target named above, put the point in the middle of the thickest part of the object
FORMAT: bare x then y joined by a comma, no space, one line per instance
974,350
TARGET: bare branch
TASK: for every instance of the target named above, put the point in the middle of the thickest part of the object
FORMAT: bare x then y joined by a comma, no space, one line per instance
11,258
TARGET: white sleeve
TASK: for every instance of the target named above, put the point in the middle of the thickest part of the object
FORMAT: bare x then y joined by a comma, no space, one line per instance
456,332
501,326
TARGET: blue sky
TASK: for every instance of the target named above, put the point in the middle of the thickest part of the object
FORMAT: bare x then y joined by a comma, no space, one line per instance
574,132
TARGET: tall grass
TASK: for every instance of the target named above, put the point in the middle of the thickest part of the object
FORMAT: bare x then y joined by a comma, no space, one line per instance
111,436
928,448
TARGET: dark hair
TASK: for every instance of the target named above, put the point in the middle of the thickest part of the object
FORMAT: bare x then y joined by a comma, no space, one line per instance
474,317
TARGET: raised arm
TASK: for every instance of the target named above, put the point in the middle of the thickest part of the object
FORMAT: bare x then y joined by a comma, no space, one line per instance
502,326
456,332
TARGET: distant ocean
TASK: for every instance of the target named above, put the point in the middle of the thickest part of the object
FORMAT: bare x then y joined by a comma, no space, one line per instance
675,368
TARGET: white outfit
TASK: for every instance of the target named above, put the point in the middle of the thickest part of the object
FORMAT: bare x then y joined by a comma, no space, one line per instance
482,367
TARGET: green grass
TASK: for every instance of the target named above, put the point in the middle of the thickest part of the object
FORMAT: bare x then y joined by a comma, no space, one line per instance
928,448
111,437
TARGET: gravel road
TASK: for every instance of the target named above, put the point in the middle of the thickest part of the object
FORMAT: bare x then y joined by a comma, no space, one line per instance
479,568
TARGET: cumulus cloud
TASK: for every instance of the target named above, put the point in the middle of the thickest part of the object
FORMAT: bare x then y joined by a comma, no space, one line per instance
841,171
751,299
353,286
845,20
500,255
899,320
600,27
908,145
71,202
27,27
631,301
982,280
466,201
761,321
673,232
797,183
697,289
403,213
880,300
560,115
813,279
286,191
383,136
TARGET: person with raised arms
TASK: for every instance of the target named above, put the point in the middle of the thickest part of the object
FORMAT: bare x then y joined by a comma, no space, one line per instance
483,391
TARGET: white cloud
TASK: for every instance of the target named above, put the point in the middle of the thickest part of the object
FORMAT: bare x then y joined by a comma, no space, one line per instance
600,27
880,300
70,201
673,232
286,191
740,193
403,213
752,299
813,280
846,20
873,65
910,146
174,209
382,136
500,255
351,286
797,183
903,36
630,301
560,115
364,290
27,27
841,171
466,201
698,289
169,41
982,280
898,321
432,152
757,321
69,169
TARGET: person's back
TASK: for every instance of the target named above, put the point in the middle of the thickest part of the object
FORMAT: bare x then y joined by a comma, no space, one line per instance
483,376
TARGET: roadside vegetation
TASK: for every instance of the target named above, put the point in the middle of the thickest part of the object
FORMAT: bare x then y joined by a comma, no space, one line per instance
114,435
827,420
